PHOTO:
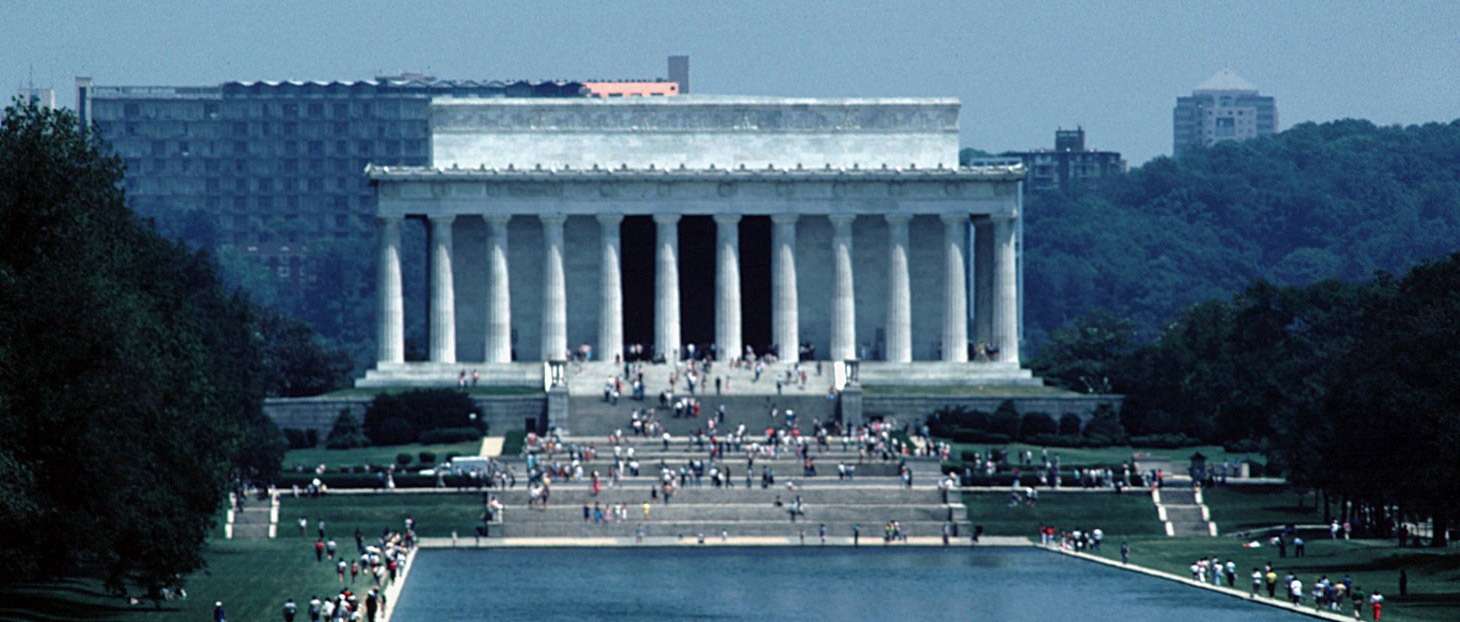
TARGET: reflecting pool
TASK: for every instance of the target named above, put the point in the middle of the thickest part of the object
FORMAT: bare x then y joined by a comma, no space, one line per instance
811,583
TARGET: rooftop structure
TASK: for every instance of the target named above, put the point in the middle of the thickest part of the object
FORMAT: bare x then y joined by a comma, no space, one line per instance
1224,107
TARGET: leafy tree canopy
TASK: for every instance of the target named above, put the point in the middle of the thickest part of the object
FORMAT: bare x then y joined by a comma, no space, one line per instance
130,382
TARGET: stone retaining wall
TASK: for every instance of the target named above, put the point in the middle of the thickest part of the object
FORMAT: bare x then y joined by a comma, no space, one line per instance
505,412
916,407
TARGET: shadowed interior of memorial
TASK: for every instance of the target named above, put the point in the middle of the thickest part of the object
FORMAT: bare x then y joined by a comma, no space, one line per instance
697,280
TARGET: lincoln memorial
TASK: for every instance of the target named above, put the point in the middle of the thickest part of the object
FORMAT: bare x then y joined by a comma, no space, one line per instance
829,229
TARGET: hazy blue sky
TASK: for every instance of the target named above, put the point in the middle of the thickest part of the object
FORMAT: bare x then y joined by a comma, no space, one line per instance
1021,68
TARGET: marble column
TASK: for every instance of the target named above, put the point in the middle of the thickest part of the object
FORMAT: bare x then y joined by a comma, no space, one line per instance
610,287
955,289
785,318
390,336
1006,297
666,287
443,292
554,291
499,302
843,300
899,296
727,286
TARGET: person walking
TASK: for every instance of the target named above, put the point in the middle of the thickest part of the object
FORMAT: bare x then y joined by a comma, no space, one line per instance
218,614
290,610
1124,552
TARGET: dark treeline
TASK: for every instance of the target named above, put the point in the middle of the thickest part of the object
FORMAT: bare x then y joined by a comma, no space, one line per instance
1352,388
1333,200
1252,302
131,379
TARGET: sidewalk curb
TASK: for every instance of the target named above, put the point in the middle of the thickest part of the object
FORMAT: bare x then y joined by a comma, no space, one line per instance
1233,592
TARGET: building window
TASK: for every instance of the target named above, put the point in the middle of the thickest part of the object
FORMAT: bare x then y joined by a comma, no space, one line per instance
1226,127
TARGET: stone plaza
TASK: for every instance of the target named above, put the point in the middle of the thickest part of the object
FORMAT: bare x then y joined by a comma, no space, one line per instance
841,230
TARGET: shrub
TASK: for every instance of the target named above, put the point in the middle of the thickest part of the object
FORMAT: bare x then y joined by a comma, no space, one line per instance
301,438
1005,420
1058,440
1243,446
450,435
1070,424
403,459
963,435
1105,427
346,433
1164,441
427,457
420,410
394,431
1035,424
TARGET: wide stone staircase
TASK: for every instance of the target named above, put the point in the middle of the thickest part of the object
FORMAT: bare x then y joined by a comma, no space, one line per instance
255,519
874,497
1182,511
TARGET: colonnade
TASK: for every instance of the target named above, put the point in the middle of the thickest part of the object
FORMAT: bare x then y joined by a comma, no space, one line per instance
785,303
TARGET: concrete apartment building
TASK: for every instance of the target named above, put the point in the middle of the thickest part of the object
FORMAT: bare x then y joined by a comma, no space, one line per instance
267,168
1069,164
1224,107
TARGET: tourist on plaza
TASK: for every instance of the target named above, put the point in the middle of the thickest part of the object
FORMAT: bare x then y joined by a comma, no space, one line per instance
220,616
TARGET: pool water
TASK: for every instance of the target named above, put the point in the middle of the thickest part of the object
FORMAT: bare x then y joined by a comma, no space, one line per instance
810,583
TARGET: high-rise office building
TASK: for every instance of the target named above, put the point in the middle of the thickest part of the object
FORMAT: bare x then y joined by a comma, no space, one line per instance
1224,107
267,168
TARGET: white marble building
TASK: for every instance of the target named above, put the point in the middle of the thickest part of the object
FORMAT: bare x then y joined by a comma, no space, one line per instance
880,247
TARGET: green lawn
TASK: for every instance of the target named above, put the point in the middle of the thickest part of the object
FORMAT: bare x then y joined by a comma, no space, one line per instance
1434,577
971,390
1240,508
1116,515
310,458
1076,456
472,391
251,577
436,514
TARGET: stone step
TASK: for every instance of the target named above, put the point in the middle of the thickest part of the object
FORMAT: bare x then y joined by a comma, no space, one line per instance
649,470
769,513
517,497
591,416
1190,529
1178,496
871,529
251,518
254,531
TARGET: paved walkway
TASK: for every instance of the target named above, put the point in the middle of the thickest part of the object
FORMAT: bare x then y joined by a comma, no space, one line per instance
869,539
1234,592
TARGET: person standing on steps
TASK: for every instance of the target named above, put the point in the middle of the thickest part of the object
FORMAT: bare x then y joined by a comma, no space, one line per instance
856,535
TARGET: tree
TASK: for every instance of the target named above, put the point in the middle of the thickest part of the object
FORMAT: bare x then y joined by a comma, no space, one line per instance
346,433
1087,354
298,363
130,383
398,418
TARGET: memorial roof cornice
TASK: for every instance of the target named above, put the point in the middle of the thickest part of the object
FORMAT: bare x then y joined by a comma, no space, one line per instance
1011,172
